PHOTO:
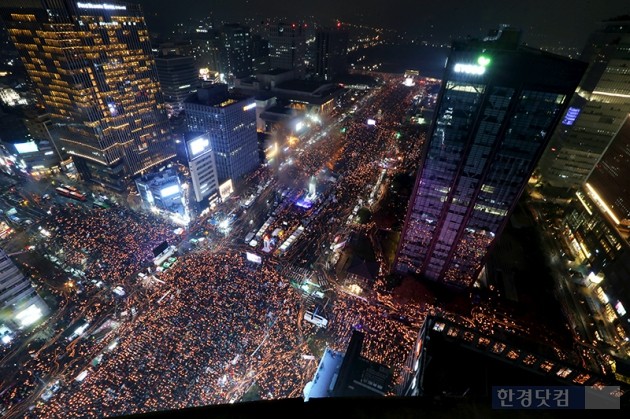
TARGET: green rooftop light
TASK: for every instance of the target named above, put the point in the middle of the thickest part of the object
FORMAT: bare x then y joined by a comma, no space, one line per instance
483,61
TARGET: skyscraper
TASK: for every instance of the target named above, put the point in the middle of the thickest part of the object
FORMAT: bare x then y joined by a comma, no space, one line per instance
260,54
92,66
287,47
597,110
331,56
178,79
230,122
498,103
236,50
595,236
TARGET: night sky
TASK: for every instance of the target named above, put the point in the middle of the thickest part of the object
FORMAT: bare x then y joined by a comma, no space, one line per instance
545,22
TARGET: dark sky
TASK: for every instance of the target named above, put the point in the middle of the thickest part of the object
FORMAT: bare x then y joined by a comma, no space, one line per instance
543,21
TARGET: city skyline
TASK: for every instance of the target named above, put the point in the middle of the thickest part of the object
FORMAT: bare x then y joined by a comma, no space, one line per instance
545,24
287,202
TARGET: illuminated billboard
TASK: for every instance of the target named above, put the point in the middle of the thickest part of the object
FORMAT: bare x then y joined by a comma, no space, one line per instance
226,189
250,106
253,257
371,121
169,190
29,315
28,147
198,146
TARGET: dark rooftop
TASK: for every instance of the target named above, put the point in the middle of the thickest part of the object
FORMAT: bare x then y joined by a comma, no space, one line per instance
364,269
358,376
276,71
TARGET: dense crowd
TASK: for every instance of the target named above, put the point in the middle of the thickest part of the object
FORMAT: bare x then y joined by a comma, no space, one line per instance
197,345
216,326
108,244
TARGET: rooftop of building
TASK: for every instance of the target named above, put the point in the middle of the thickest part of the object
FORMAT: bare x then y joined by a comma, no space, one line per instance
276,71
365,269
327,371
349,374
162,176
358,376
217,96
464,360
305,86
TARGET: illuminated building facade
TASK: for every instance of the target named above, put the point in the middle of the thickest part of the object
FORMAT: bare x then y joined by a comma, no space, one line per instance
203,169
19,301
162,190
596,231
92,66
230,122
497,106
331,55
596,111
287,47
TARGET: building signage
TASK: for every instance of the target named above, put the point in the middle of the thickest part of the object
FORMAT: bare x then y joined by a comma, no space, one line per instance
474,69
102,6
570,116
226,189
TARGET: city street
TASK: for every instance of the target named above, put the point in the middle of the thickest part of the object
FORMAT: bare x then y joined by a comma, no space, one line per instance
89,336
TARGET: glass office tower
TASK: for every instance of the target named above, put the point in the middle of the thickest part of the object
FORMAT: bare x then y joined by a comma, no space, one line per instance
92,66
498,103
597,110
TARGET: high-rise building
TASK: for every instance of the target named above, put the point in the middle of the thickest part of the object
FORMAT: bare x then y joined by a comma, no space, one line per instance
230,122
203,169
207,46
453,359
20,305
287,47
595,236
236,50
260,54
178,78
331,55
93,68
497,106
597,110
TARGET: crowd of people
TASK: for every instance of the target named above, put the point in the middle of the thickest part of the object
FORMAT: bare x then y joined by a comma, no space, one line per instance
388,341
198,344
108,244
216,326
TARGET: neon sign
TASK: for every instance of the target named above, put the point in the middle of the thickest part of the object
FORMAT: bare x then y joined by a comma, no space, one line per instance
571,116
474,69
